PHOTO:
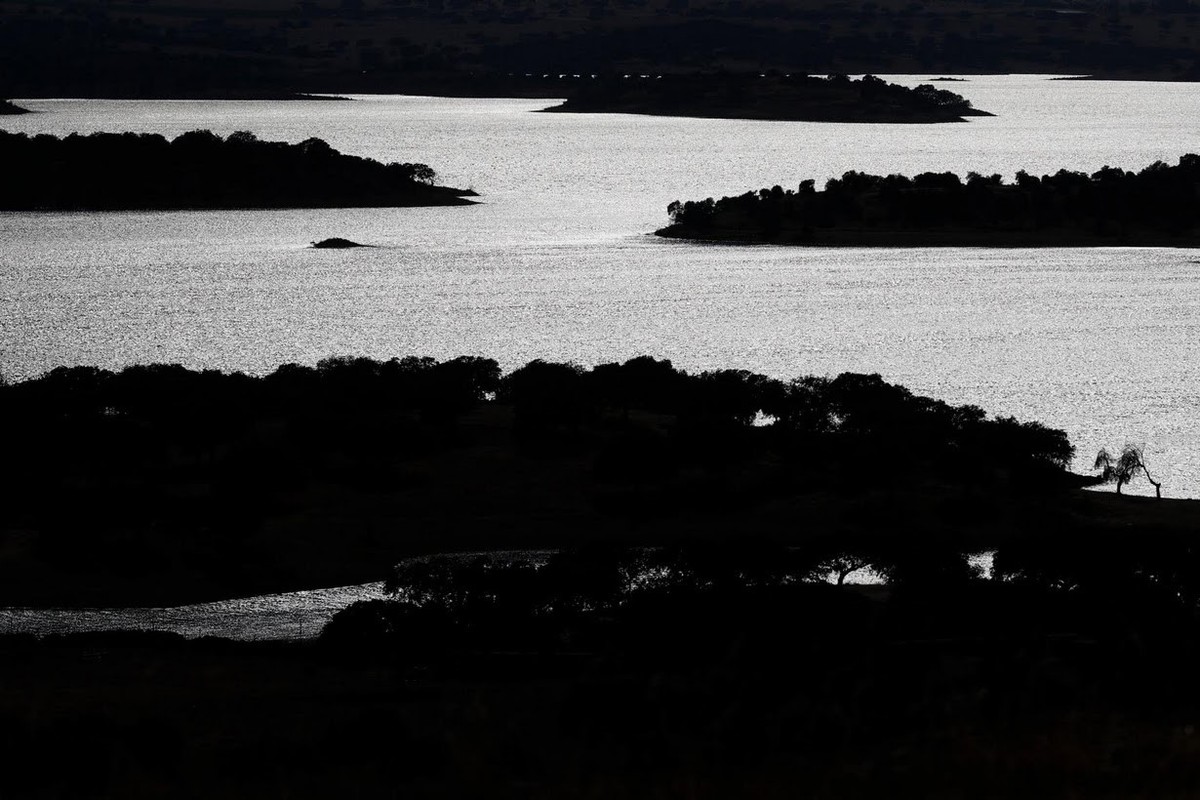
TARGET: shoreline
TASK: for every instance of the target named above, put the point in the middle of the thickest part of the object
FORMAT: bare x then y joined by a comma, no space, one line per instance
866,238
763,117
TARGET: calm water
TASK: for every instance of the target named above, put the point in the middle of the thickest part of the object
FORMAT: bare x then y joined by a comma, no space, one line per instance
556,262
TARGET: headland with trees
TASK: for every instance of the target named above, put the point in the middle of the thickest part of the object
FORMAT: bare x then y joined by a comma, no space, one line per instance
9,108
327,475
836,98
199,169
1156,206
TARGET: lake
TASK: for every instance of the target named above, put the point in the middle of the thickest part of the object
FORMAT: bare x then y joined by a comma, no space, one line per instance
556,262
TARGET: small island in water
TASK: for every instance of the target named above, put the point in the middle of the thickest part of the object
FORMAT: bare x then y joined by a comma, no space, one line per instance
199,169
1156,207
336,243
800,98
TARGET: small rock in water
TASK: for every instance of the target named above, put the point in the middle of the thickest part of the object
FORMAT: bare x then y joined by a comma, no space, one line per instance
336,243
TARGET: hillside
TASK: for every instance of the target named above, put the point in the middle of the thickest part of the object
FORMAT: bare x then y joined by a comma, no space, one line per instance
267,47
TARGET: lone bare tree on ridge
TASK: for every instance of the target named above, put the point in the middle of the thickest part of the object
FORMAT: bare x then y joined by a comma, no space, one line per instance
1121,470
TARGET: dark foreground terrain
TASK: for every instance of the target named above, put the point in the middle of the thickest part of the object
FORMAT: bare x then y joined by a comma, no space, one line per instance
199,169
942,687
692,635
1158,206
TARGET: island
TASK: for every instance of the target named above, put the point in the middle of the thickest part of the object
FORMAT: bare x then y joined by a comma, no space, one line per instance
1158,206
9,108
803,98
201,170
336,243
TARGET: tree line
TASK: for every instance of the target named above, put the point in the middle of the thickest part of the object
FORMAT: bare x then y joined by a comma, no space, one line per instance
547,399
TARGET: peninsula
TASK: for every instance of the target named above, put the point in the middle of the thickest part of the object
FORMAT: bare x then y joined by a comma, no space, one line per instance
327,475
801,98
1156,207
201,170
9,108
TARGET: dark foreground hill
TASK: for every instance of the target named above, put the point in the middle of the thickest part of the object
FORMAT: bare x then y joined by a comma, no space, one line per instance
111,171
752,96
729,660
728,668
1158,206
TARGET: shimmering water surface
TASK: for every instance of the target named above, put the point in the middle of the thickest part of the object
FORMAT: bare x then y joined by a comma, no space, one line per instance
292,615
556,261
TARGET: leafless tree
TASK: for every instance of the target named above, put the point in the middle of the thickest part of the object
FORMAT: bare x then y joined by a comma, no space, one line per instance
1124,468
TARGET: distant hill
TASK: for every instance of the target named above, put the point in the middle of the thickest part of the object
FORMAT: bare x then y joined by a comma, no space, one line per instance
219,48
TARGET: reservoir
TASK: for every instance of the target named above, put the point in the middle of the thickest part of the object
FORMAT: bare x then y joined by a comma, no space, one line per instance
556,261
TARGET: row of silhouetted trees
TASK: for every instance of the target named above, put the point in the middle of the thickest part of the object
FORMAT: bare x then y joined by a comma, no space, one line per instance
706,596
850,410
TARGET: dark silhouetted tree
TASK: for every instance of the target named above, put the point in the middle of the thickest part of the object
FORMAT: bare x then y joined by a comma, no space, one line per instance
1124,468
